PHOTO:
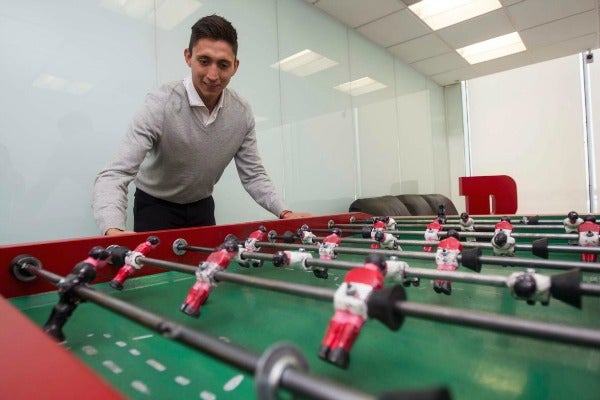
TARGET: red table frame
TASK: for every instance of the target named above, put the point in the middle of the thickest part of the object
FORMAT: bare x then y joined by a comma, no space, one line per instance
28,354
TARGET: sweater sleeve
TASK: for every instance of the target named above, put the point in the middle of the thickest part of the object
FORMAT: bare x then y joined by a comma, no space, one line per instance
253,174
111,185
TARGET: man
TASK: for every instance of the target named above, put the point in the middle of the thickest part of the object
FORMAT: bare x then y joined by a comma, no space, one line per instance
179,144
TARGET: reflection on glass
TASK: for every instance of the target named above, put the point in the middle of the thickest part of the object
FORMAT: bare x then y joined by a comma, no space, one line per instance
58,84
169,13
304,63
360,86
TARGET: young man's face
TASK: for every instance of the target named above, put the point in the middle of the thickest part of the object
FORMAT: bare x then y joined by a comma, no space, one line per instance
213,64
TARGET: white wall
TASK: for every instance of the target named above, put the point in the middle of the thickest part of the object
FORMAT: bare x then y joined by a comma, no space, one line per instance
312,137
528,123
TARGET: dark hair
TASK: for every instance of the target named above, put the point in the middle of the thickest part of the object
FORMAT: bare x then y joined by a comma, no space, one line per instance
216,28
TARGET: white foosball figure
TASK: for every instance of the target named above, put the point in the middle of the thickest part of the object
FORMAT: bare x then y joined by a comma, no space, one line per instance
503,244
571,224
467,224
530,287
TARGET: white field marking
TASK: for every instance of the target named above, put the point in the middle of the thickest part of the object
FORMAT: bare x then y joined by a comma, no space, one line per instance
233,383
156,365
142,337
121,343
114,368
140,387
90,334
134,352
224,339
89,350
204,395
107,335
182,380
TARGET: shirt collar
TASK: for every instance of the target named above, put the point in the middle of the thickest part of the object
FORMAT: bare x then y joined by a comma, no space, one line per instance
194,97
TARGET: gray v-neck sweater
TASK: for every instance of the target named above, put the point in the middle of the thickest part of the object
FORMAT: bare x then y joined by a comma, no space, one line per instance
173,156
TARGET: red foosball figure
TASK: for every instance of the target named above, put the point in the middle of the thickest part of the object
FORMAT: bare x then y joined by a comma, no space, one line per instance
377,233
589,236
327,250
504,225
350,303
446,259
131,263
83,273
258,235
217,261
431,234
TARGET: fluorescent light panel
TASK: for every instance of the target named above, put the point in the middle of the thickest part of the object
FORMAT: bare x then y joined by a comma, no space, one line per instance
360,86
438,14
493,48
304,63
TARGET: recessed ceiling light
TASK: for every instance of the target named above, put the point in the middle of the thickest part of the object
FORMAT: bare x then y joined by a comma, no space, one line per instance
493,48
360,86
438,14
304,63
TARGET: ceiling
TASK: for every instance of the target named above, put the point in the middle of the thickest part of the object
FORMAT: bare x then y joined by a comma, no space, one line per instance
549,28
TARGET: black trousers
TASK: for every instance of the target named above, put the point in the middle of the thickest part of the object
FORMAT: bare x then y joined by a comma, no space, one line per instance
152,214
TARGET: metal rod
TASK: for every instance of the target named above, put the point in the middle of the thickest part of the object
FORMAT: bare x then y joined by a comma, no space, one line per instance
404,219
526,246
500,323
566,236
455,226
457,276
296,380
488,321
495,260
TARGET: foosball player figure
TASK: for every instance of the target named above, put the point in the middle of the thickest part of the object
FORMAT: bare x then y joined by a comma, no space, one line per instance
431,234
467,224
396,269
131,263
533,220
217,261
530,287
441,216
288,258
589,236
82,274
327,250
384,240
571,224
446,259
504,225
377,231
350,304
306,236
503,244
258,235
390,223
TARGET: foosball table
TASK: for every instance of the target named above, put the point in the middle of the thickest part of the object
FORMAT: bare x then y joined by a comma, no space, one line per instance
260,332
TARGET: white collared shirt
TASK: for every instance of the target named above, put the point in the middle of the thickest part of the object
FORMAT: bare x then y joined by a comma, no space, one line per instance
198,105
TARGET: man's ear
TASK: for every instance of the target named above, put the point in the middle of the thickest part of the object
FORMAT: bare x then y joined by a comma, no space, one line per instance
188,57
